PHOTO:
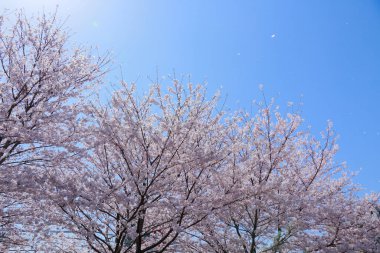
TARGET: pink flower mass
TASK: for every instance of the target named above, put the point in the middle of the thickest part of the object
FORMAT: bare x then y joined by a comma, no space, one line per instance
166,171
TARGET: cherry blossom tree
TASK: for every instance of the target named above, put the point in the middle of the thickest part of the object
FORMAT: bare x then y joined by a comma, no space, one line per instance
42,82
295,198
148,174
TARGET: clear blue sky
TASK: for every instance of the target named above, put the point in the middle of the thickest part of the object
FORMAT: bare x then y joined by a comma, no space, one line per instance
325,53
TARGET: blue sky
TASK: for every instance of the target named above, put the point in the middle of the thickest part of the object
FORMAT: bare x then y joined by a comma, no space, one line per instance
323,53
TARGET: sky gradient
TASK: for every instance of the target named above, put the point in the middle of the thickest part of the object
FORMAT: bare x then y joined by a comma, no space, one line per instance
325,54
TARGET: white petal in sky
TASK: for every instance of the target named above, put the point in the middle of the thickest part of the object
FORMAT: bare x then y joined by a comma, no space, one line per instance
273,36
95,24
